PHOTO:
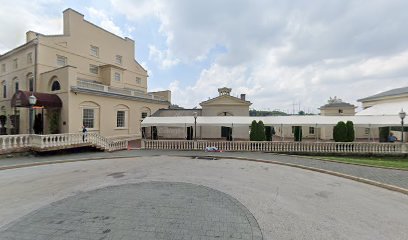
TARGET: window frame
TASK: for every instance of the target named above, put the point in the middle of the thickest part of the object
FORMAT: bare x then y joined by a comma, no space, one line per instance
29,58
94,51
15,63
117,76
312,130
87,118
4,89
119,59
93,67
123,123
138,80
59,58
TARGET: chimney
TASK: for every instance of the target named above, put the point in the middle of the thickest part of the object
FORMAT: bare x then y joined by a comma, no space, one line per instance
242,97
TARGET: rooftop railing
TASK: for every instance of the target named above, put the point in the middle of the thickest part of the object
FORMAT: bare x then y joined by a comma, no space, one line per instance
122,91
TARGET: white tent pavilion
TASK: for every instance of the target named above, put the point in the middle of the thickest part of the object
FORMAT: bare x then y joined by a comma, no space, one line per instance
309,120
384,109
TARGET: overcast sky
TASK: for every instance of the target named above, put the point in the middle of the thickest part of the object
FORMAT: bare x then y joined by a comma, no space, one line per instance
278,52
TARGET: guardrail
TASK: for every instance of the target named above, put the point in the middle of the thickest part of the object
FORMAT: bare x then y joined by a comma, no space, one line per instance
116,90
17,143
280,147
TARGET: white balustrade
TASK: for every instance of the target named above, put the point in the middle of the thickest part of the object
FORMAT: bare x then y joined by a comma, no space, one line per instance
280,147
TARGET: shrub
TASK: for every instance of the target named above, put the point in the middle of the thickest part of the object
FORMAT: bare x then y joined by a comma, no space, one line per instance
298,133
350,131
340,132
261,131
252,135
53,119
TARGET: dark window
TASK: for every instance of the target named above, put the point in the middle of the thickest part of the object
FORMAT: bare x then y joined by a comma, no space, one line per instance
55,86
16,86
31,84
144,114
4,91
340,111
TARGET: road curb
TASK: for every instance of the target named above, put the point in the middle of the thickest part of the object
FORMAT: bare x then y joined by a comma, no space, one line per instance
351,177
319,158
34,164
358,179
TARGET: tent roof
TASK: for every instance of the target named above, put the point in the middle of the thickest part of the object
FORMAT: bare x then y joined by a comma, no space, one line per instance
312,121
391,109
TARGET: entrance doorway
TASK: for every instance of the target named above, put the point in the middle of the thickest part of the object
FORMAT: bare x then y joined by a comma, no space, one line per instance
190,133
226,132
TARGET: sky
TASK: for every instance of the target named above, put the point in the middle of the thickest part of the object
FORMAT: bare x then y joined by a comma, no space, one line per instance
286,55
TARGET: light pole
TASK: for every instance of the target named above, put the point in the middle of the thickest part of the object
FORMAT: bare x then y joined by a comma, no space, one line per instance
402,115
195,126
32,100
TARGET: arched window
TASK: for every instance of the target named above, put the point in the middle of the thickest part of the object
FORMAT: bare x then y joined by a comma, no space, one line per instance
30,82
55,86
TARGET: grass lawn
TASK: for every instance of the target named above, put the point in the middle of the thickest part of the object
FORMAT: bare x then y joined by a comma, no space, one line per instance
395,162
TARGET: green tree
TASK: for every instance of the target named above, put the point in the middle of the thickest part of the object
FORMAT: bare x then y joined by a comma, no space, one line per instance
53,120
252,134
350,131
298,133
340,132
261,131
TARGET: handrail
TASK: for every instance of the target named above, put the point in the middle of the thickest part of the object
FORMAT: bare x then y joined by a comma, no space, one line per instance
280,147
13,143
110,89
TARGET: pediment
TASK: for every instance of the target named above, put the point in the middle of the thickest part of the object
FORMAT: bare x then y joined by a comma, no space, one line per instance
225,100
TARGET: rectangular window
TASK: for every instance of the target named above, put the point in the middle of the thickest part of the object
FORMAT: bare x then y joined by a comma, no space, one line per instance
138,80
366,131
88,118
61,61
29,58
94,51
3,67
120,119
144,115
16,86
117,76
118,59
4,90
93,69
15,63
311,130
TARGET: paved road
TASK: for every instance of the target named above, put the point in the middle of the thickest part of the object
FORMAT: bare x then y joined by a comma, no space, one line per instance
287,203
397,178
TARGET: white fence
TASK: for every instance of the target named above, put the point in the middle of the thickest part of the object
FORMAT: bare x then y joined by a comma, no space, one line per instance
15,143
280,147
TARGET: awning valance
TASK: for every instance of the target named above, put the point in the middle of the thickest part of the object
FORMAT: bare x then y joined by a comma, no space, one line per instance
46,100
312,121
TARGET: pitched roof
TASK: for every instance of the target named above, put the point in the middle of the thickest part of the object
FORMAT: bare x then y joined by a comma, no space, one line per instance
238,100
176,112
337,105
389,93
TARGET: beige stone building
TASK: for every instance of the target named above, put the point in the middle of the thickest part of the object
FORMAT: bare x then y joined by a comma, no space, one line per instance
222,105
92,71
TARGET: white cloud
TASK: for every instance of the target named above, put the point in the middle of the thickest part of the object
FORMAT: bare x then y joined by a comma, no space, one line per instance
101,18
18,18
163,58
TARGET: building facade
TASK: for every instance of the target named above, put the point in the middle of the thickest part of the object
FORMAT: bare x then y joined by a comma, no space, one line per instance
222,105
92,71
